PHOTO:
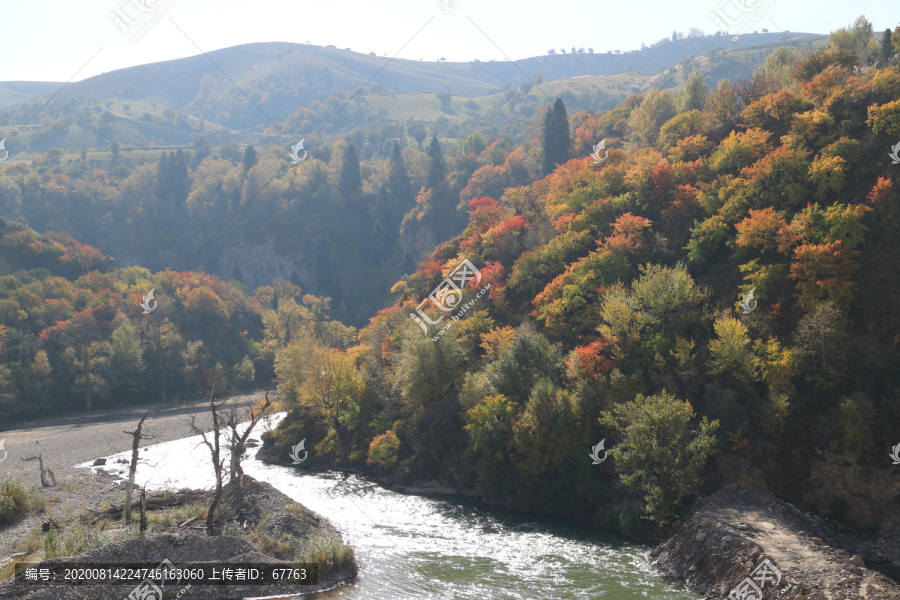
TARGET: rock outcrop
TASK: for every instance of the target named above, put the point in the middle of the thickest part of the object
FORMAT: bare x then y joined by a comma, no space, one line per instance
747,534
260,264
860,496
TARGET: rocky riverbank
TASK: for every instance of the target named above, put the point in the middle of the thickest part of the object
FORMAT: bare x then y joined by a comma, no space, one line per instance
265,527
738,538
257,523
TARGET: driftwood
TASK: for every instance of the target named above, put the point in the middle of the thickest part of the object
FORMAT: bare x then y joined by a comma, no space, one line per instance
48,479
190,521
46,525
158,502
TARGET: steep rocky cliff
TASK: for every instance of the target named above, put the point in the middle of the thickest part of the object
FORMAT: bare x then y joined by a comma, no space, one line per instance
859,496
260,264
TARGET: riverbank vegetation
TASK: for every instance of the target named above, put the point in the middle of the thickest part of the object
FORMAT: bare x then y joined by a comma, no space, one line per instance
17,499
276,525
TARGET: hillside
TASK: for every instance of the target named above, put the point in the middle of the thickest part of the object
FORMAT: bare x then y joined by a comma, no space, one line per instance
719,282
177,82
13,92
173,102
100,146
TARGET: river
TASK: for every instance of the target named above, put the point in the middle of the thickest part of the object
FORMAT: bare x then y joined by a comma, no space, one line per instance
412,547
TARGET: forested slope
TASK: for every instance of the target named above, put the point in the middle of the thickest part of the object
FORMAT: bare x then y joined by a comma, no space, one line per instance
614,304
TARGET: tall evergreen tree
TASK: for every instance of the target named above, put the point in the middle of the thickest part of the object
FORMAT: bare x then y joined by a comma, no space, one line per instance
556,137
181,181
437,170
163,185
349,179
114,151
173,184
398,178
887,45
249,157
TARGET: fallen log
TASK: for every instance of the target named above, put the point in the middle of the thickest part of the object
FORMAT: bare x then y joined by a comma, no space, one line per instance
189,521
157,502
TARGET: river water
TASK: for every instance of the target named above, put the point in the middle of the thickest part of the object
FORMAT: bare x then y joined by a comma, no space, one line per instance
437,548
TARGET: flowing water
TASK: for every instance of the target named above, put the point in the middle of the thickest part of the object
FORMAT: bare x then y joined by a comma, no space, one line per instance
438,548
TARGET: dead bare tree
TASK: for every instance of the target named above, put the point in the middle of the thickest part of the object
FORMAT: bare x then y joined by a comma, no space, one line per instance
136,441
751,90
212,382
238,442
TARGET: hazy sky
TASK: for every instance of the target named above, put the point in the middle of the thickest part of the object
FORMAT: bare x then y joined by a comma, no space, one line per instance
56,40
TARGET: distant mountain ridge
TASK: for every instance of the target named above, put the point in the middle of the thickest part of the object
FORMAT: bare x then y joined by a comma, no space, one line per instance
13,92
177,83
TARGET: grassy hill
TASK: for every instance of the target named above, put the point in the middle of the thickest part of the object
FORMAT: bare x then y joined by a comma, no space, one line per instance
171,103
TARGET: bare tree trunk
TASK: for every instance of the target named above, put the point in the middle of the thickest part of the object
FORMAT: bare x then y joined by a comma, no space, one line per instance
136,441
159,364
214,445
211,514
237,449
341,443
215,450
143,523
238,443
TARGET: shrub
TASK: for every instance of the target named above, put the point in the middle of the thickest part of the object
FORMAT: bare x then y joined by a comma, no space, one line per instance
383,450
16,499
51,544
659,452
